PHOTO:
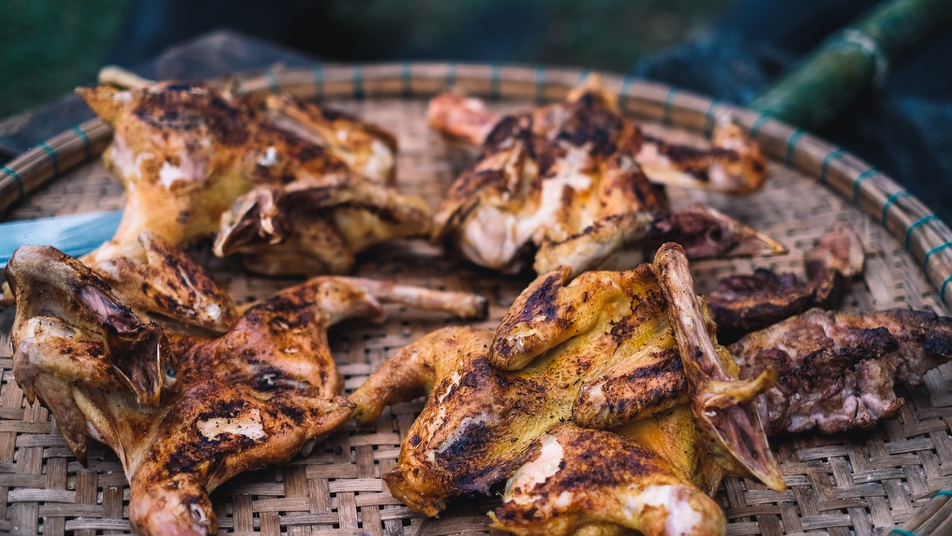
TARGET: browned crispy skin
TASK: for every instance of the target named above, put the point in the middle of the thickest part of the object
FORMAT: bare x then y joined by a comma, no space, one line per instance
562,186
189,155
837,370
598,351
745,303
187,412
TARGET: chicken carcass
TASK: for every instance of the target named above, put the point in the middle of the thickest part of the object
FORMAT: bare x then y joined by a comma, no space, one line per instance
296,188
597,352
186,412
745,303
566,185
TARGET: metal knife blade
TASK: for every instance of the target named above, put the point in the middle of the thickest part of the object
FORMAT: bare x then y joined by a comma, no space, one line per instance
73,234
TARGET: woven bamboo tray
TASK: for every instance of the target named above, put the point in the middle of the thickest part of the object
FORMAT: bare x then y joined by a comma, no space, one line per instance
858,484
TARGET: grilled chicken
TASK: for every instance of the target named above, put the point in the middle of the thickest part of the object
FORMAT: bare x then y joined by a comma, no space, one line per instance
566,185
296,188
599,352
186,412
837,370
745,303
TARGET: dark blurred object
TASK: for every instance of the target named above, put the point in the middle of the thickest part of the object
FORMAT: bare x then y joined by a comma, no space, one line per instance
902,126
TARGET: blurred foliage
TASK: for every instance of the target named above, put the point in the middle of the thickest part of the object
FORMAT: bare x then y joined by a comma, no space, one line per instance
50,46
53,45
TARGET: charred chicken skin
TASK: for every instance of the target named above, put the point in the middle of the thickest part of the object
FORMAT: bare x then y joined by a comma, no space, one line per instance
598,352
296,188
186,412
745,303
566,185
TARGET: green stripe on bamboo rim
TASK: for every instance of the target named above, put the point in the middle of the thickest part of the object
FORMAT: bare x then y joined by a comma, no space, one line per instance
54,158
915,225
406,79
450,79
666,109
495,72
16,177
758,124
942,292
272,78
903,532
583,75
930,253
889,203
710,118
540,84
859,180
317,73
943,492
87,149
357,79
792,145
624,91
835,154
236,86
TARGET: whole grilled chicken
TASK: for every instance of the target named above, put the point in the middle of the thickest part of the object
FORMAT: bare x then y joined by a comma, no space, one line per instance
186,412
599,352
296,188
567,185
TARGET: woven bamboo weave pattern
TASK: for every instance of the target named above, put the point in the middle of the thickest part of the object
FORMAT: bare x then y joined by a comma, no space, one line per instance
859,484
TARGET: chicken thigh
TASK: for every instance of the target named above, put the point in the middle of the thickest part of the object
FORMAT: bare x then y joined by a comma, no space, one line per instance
296,188
186,412
566,185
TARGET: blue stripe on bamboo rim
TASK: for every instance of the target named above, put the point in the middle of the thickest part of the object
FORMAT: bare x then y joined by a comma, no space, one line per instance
623,93
792,145
272,79
16,176
583,75
942,492
889,202
450,80
539,85
944,285
54,158
859,180
357,79
915,225
930,253
236,86
318,74
494,75
903,532
827,160
406,79
87,150
666,110
710,118
758,124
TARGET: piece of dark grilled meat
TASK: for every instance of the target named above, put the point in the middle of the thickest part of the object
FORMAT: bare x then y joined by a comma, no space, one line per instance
745,303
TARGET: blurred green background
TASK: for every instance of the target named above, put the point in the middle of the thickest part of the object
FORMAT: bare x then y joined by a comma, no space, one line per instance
51,46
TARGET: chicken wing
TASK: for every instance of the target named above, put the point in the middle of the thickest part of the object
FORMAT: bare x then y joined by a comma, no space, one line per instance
598,351
185,413
564,184
745,303
196,161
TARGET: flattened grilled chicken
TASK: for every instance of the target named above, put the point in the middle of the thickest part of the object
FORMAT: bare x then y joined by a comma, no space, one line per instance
295,187
745,303
185,413
837,370
600,352
566,184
